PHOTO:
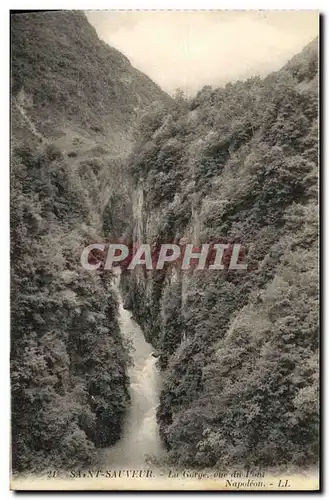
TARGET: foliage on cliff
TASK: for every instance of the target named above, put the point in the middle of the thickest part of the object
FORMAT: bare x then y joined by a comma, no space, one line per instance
68,379
239,349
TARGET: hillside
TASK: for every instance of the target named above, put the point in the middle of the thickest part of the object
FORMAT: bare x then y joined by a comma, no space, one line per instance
239,349
66,80
75,104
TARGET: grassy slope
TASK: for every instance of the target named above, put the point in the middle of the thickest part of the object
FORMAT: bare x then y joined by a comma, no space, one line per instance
71,79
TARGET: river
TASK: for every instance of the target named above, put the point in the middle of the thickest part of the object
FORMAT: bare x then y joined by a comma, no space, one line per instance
140,437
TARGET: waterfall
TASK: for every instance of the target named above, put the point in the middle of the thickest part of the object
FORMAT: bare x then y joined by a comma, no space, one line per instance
140,437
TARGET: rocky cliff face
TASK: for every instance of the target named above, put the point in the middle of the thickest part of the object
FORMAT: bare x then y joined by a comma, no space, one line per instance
238,348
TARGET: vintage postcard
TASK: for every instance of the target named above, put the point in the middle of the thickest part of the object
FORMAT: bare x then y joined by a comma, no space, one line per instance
164,250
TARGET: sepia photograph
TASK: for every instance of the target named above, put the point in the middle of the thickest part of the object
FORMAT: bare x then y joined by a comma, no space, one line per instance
164,250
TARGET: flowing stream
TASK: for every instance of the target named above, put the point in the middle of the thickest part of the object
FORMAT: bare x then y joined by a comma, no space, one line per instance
140,437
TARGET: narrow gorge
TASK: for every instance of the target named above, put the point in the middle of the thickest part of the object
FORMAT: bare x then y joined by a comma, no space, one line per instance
196,368
140,439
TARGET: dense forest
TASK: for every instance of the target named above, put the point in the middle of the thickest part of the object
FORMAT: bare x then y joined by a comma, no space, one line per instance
238,349
68,370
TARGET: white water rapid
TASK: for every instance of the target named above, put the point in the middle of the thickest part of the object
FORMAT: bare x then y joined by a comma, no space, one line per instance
140,437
